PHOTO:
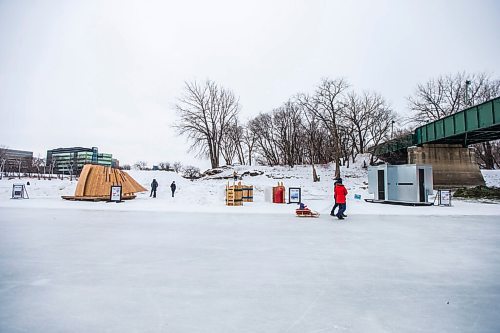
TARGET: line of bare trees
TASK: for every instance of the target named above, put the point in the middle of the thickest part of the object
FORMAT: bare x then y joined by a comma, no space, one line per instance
333,123
20,166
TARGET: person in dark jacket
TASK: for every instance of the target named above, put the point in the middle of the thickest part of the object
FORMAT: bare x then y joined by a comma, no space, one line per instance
332,213
173,187
340,198
154,186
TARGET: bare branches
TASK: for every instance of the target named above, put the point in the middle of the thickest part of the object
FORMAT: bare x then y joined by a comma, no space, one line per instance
445,95
206,113
325,105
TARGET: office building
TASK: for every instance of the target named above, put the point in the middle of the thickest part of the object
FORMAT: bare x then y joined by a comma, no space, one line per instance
71,160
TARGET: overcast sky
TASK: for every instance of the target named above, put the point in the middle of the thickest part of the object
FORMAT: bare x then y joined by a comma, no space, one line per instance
107,73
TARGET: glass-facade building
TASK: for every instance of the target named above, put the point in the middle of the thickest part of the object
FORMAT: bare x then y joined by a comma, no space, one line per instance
11,159
72,160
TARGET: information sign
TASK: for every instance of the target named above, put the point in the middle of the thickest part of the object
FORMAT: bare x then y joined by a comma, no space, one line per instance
444,197
116,193
19,192
294,195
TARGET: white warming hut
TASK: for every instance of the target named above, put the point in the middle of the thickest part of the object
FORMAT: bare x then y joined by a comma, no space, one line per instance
408,183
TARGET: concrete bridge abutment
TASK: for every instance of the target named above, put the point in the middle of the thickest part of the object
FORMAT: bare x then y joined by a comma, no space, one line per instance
452,165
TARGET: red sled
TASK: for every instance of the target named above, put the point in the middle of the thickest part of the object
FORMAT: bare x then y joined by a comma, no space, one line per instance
306,213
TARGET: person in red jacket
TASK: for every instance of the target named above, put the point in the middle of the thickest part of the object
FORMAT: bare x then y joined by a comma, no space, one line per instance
332,213
340,193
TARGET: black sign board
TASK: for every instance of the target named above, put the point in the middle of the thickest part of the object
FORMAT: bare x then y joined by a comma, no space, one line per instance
115,194
294,195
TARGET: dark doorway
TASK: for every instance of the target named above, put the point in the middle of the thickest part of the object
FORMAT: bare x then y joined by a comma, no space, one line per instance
381,185
421,187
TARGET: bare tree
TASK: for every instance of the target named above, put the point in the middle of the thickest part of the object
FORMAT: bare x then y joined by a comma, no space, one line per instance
238,137
19,163
140,165
488,154
177,166
249,138
231,144
205,113
264,131
164,166
126,167
368,117
326,104
381,129
316,139
191,172
288,125
445,95
37,164
52,165
3,160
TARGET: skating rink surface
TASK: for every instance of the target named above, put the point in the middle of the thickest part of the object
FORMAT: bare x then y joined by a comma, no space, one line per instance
122,271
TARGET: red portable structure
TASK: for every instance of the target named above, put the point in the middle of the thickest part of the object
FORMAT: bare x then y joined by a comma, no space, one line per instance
279,193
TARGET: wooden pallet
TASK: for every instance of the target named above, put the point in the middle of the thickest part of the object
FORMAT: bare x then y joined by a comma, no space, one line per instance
73,198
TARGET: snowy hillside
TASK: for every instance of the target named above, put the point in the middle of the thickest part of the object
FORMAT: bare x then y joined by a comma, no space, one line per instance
207,194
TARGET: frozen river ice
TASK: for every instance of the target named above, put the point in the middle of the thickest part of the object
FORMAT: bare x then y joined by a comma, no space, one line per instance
116,271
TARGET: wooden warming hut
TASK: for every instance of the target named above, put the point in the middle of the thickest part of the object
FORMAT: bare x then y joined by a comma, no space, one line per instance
95,184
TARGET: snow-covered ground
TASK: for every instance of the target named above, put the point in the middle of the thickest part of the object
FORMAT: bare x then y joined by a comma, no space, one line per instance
207,194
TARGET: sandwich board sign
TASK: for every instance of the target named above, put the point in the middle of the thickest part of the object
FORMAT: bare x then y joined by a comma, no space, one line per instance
19,192
116,193
444,197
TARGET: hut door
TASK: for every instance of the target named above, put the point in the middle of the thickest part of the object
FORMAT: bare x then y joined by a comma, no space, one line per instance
421,187
381,185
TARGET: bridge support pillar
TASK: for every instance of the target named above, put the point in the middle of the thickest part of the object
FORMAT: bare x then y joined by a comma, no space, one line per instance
452,165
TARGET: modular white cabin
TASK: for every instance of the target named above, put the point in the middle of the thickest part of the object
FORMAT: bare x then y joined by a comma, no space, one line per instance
409,183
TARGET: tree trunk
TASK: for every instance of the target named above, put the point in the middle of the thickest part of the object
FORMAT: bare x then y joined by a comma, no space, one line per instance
488,156
315,175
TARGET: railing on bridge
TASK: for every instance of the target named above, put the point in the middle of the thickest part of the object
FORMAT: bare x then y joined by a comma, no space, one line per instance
465,127
476,124
393,145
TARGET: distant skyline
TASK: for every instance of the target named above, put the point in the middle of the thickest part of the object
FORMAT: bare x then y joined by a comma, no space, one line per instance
108,73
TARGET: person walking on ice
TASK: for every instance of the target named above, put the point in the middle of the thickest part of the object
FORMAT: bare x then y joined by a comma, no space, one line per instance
332,213
340,193
154,186
173,187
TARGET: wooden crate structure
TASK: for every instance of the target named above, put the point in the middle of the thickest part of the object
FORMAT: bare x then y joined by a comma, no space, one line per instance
96,180
234,195
247,193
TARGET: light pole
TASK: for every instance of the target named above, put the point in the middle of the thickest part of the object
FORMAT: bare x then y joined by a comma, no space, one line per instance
467,85
392,129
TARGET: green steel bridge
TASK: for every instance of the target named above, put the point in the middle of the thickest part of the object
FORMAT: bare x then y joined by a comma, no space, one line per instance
476,124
